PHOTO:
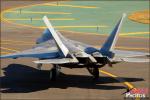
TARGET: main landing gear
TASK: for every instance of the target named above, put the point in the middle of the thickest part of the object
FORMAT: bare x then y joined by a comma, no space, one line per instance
94,71
54,72
39,66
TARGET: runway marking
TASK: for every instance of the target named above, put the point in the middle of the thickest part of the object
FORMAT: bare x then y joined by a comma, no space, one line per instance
37,19
132,48
2,52
126,48
9,49
3,19
101,26
134,33
9,21
129,85
140,16
106,34
79,26
73,6
97,46
38,12
16,44
15,41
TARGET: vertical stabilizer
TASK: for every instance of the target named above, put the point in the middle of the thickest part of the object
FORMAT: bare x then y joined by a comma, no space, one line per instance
112,39
45,37
57,39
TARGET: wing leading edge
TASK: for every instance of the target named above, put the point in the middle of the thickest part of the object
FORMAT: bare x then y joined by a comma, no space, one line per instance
37,52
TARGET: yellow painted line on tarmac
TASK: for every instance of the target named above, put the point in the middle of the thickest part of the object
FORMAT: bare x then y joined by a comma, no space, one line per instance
83,26
79,26
134,33
21,7
7,41
73,6
37,19
109,74
9,49
122,34
91,33
130,48
16,41
126,48
2,52
129,85
16,44
37,12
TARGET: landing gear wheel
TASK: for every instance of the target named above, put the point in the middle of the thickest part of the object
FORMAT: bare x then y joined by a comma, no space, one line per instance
94,71
54,72
39,66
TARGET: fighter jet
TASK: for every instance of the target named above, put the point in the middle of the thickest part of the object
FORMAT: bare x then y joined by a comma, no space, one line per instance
53,48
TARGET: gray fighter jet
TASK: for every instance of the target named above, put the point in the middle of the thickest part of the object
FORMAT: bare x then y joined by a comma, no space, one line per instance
53,48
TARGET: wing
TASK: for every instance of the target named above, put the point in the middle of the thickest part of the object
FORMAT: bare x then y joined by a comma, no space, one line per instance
57,61
44,50
125,53
127,56
48,46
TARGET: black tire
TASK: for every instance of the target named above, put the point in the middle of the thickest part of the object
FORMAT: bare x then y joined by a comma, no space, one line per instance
94,71
53,73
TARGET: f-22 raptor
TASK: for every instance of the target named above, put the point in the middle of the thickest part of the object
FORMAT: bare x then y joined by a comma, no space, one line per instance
53,48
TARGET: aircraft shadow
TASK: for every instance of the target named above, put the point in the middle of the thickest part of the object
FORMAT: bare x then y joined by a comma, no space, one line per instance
23,79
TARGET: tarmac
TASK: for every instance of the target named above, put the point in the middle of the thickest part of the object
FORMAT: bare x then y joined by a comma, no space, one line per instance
20,79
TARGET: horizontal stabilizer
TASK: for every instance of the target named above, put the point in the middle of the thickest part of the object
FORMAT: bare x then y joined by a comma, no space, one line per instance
134,60
57,61
125,53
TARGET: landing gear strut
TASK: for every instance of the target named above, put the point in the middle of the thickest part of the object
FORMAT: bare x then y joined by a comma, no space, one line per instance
94,71
54,72
39,66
